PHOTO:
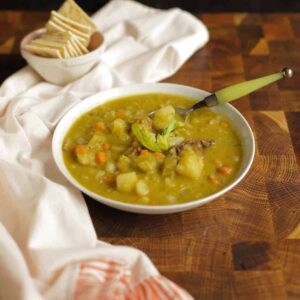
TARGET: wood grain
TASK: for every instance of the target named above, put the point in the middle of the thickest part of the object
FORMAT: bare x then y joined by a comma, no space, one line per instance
246,244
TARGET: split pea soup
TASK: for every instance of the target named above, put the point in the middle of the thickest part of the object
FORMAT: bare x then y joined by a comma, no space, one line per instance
117,151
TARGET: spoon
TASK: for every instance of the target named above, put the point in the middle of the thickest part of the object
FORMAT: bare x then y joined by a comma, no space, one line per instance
233,92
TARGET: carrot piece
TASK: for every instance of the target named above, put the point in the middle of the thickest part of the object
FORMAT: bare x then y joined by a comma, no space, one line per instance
120,113
99,126
106,146
101,157
159,155
225,170
109,179
81,149
224,124
144,152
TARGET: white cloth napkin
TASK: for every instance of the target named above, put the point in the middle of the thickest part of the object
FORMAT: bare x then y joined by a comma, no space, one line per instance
48,246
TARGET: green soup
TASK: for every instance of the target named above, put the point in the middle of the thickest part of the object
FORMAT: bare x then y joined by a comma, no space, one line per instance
116,151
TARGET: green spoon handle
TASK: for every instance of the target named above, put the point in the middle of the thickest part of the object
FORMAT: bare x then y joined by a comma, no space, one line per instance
239,90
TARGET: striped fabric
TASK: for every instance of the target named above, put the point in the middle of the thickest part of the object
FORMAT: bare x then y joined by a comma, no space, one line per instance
112,280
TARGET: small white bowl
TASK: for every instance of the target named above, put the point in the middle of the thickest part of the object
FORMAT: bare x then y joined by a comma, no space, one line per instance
237,120
60,71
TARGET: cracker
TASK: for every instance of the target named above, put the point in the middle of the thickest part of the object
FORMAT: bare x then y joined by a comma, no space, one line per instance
79,43
56,36
67,27
49,43
43,51
76,25
75,46
71,10
54,27
68,33
71,51
66,53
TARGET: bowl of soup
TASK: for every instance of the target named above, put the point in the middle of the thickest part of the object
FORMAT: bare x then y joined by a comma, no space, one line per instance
108,147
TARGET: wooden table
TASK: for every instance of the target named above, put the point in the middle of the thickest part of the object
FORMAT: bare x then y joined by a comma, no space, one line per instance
245,245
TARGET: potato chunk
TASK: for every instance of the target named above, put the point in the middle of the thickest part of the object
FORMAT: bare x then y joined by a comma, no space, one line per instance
147,163
119,126
86,159
96,141
190,164
126,182
163,117
123,163
142,188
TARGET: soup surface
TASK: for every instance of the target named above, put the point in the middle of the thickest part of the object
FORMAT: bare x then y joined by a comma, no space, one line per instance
117,151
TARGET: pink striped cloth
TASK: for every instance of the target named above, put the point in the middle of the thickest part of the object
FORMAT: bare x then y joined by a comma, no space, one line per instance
48,245
111,279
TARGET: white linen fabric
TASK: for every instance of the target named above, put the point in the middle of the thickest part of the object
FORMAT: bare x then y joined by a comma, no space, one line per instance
49,249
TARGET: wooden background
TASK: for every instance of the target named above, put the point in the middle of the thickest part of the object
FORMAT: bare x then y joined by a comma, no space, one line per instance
190,5
246,244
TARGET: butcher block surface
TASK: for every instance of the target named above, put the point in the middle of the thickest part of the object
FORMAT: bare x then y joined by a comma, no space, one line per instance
245,244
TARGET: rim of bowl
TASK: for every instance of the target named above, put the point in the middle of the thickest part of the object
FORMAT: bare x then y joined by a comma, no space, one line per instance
36,33
140,208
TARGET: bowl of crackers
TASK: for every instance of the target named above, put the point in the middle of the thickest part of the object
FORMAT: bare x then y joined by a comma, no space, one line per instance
68,47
